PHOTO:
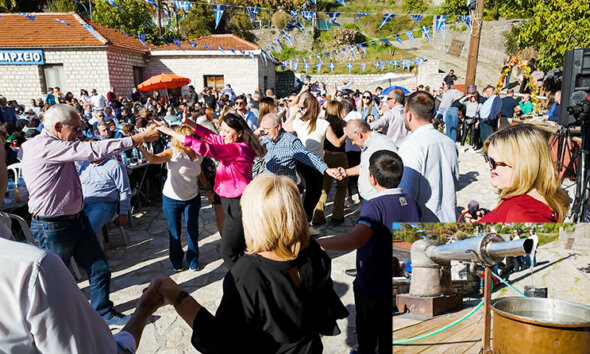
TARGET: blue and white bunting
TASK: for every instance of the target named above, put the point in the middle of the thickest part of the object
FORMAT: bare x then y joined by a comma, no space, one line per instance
207,46
399,39
382,65
410,35
295,65
280,43
252,11
178,44
183,5
294,15
29,16
125,32
363,66
308,15
263,57
113,3
64,22
385,40
306,67
334,17
416,18
193,44
328,54
349,66
466,19
372,43
319,58
376,64
360,14
164,39
141,38
362,48
296,25
352,51
331,66
343,49
395,64
221,49
386,18
91,30
283,65
252,56
426,32
342,2
439,22
313,1
154,3
218,10
318,67
287,38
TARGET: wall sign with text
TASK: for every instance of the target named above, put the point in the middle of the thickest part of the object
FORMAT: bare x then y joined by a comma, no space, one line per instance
21,57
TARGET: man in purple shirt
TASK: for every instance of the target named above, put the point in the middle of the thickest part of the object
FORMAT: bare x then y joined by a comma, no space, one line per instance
56,202
392,122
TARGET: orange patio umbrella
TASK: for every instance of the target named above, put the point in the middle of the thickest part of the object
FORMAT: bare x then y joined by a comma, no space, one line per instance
163,82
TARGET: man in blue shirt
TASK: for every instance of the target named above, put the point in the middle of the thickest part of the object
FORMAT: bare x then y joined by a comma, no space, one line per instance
371,237
250,118
49,97
488,113
508,104
284,149
7,113
105,184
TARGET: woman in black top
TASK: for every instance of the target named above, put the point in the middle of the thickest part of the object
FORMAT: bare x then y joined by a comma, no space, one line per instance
334,156
279,297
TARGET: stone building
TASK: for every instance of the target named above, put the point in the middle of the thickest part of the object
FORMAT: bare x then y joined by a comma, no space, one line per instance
214,61
55,49
70,57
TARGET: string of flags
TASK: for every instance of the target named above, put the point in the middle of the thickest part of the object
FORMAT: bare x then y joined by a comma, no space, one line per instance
405,64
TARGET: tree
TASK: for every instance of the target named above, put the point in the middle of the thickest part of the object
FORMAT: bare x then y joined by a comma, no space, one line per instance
414,6
7,5
134,17
62,5
555,26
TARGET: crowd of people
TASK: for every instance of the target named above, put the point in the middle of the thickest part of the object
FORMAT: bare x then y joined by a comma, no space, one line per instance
249,151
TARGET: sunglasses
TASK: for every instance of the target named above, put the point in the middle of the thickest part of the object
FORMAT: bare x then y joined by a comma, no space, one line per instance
367,97
493,163
240,103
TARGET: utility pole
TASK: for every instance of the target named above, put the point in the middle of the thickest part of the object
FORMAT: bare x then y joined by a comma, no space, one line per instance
476,25
160,18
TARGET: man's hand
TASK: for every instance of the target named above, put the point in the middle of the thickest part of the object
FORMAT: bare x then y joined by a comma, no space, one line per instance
335,172
150,300
370,118
150,134
342,172
167,288
210,196
122,220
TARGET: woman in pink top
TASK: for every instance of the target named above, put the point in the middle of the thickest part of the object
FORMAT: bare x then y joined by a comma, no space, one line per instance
235,148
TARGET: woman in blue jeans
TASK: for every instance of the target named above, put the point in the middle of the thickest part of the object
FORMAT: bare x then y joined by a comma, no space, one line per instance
181,195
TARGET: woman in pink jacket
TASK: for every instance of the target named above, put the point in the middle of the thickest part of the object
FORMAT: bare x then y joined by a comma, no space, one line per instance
235,148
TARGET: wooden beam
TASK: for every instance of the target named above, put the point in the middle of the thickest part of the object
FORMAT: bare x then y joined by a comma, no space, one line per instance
476,25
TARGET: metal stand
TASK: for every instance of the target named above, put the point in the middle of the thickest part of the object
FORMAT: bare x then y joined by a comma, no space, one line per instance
487,311
564,148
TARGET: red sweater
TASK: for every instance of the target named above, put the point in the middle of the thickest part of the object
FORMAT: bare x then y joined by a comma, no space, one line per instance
522,208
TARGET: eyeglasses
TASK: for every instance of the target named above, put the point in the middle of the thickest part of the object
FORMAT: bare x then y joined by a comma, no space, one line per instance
493,163
367,97
240,103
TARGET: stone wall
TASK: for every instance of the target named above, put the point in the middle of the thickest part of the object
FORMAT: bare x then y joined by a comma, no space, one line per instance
244,74
121,65
83,68
581,236
301,41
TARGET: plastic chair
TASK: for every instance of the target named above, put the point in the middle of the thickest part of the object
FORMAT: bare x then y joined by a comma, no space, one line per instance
16,170
8,219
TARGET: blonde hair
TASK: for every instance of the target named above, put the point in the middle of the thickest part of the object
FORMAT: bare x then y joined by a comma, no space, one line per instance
273,217
176,144
525,148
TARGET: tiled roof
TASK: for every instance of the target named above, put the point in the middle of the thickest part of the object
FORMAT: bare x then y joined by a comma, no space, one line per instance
17,31
225,41
402,244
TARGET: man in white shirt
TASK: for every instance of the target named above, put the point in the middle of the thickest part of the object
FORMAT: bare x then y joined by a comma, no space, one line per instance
431,169
43,311
359,132
98,101
392,122
531,259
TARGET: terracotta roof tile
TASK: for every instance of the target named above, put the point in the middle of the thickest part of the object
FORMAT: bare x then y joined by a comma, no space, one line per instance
16,31
402,244
225,41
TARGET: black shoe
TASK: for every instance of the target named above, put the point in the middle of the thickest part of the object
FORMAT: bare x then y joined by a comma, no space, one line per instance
351,272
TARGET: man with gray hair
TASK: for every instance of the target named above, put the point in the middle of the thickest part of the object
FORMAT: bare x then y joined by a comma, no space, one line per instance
284,150
359,132
56,201
392,122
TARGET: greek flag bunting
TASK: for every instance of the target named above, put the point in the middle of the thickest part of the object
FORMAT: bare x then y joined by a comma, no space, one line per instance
295,65
296,25
125,32
280,43
416,18
112,2
252,11
287,38
221,49
440,21
410,35
195,45
79,3
91,30
218,10
386,18
252,56
306,67
62,21
345,52
466,19
372,43
360,14
29,16
342,2
313,1
164,39
376,65
319,58
294,15
389,64
178,44
141,38
318,67
385,40
399,39
349,66
183,5
308,15
382,65
153,2
362,48
334,17
331,66
395,64
363,66
351,48
328,54
283,65
207,46
263,57
426,32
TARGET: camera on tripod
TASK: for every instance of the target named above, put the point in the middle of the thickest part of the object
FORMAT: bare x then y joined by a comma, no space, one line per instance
581,110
